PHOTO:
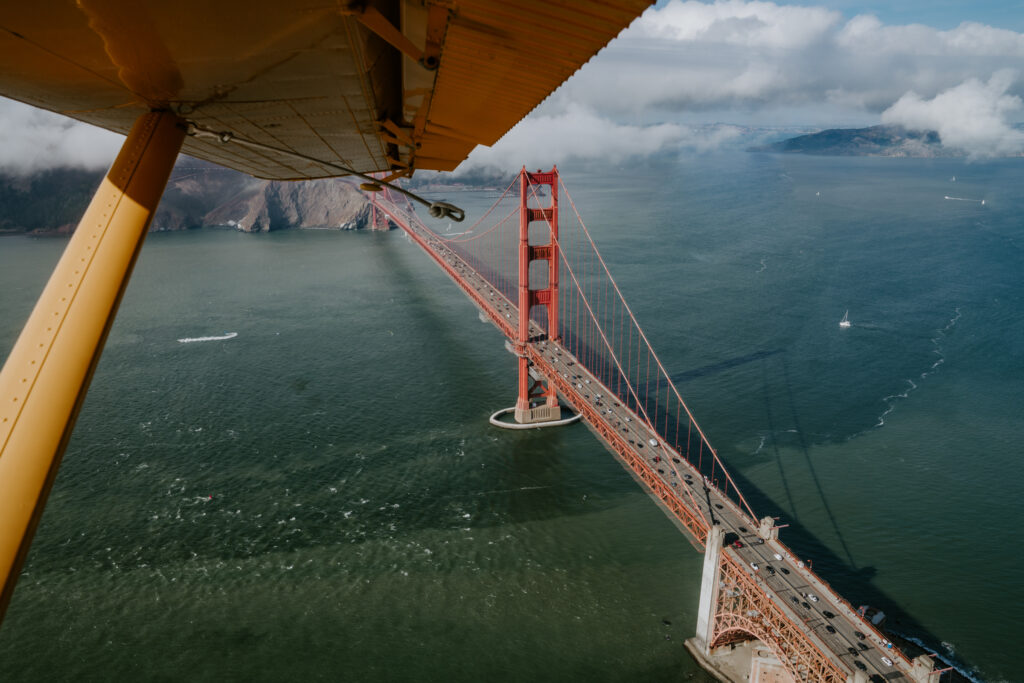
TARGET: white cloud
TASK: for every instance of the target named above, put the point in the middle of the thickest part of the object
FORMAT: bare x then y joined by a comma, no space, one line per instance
866,33
577,133
744,61
734,22
33,139
972,116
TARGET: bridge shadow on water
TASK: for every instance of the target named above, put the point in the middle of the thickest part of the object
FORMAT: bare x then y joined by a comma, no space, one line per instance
840,569
728,364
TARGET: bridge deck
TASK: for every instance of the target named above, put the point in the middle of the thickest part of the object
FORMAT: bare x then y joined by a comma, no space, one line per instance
828,621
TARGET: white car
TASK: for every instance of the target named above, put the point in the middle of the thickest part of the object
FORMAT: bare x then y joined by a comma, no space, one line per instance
652,442
886,661
754,566
777,557
812,597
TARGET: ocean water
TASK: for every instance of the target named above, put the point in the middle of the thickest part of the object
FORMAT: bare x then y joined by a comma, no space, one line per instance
321,498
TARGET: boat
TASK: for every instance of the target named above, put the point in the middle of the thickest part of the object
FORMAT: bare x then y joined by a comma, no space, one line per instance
845,322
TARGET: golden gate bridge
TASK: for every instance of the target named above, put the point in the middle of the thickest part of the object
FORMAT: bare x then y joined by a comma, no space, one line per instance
536,274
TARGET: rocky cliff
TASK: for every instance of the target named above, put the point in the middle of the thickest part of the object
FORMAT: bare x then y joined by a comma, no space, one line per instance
198,194
274,205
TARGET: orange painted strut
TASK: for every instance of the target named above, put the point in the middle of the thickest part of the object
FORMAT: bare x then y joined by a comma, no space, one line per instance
45,378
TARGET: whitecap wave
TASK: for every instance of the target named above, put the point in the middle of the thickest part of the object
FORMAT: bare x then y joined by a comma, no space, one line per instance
969,674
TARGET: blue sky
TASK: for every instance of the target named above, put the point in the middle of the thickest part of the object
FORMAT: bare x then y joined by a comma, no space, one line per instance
941,14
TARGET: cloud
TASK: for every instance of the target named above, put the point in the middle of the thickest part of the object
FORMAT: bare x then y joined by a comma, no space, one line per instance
33,139
866,33
972,116
741,61
578,133
733,22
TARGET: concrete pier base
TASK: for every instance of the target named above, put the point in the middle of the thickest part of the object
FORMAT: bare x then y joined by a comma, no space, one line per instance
748,662
544,413
921,668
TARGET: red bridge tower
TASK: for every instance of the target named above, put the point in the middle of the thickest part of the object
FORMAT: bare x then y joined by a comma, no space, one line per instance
536,402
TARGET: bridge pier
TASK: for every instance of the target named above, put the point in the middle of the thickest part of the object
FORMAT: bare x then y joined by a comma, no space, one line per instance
921,669
747,660
709,590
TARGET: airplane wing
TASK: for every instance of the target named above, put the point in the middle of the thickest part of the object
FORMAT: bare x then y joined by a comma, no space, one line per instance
385,85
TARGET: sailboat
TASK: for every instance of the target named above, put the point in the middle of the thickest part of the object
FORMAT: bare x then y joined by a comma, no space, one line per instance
845,322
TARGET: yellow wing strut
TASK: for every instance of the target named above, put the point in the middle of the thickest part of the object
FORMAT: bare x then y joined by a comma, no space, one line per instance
43,383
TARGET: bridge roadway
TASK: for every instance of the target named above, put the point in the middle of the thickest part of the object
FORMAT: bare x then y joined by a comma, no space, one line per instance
828,621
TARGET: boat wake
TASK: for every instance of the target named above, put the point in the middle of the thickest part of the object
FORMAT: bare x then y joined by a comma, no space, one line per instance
190,340
936,341
965,199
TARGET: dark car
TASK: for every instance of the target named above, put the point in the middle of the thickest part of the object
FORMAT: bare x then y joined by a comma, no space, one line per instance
853,651
830,629
863,646
828,615
860,665
860,636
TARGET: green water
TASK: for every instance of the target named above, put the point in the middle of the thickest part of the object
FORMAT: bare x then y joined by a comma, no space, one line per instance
321,498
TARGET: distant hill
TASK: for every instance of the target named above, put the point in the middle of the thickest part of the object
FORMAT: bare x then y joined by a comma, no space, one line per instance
889,141
198,194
